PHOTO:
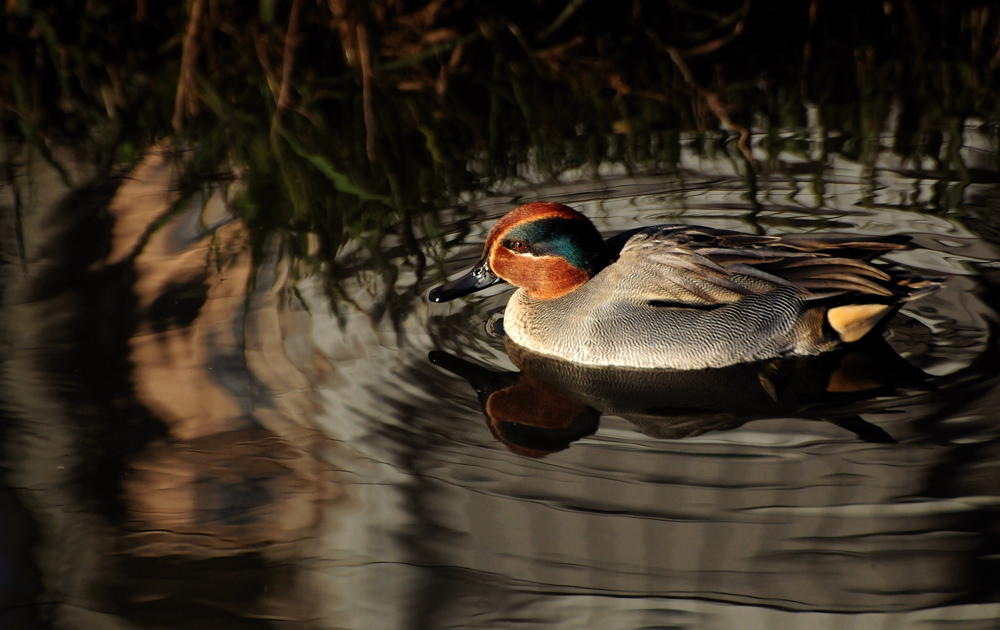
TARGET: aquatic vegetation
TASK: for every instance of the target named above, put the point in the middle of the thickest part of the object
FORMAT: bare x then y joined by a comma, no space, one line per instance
362,122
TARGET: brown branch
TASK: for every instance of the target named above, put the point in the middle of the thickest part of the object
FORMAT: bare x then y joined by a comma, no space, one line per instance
366,88
995,61
711,99
183,99
441,86
260,45
715,44
616,82
288,61
807,50
714,102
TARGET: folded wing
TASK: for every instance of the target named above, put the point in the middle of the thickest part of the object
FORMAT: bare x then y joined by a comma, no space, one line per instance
703,267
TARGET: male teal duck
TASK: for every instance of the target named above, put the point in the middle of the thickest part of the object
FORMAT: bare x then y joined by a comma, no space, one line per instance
677,296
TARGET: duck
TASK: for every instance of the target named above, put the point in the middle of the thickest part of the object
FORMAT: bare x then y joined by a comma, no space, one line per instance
682,296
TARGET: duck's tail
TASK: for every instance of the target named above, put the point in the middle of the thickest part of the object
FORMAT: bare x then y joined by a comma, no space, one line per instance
851,322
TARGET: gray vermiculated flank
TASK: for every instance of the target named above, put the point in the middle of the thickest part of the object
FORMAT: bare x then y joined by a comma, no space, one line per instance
642,335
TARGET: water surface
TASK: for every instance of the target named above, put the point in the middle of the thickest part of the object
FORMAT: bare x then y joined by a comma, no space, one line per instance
202,429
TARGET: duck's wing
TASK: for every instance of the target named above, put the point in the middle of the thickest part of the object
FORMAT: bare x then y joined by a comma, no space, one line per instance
698,266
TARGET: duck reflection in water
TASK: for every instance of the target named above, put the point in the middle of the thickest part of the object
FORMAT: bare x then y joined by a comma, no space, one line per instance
551,403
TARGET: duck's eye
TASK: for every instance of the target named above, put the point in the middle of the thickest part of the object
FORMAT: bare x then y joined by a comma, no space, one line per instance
518,246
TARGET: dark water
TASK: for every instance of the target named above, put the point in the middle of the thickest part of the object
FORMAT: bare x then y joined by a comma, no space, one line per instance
202,431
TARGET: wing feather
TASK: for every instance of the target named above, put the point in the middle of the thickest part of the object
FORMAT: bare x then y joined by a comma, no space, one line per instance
701,266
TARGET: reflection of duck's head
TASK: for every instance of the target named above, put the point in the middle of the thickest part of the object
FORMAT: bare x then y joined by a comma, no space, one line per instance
677,296
528,416
533,418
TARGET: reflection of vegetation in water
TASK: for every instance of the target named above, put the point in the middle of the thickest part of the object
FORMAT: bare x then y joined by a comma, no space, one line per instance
359,120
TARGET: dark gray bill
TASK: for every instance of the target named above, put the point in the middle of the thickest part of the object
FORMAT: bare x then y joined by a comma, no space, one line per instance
479,278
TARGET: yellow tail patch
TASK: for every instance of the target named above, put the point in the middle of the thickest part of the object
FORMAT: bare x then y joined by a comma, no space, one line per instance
854,321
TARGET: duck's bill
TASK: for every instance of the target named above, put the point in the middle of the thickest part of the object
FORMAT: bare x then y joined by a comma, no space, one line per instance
479,278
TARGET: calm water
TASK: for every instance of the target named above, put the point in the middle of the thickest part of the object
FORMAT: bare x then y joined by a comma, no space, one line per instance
201,434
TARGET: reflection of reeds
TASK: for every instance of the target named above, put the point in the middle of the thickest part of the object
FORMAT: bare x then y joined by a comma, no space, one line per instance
357,119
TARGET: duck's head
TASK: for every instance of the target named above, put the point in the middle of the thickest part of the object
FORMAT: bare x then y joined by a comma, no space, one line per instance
545,248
